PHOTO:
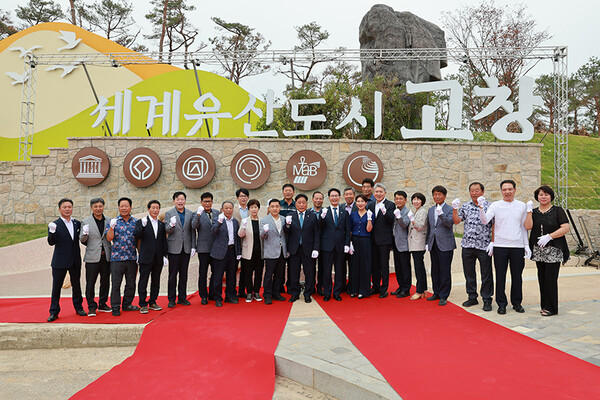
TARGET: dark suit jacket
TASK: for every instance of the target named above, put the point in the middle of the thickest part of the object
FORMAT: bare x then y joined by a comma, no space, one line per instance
150,246
332,236
383,225
310,232
66,249
219,247
442,231
204,235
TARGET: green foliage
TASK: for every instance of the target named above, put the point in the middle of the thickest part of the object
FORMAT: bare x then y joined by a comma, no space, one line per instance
17,233
7,26
111,17
38,11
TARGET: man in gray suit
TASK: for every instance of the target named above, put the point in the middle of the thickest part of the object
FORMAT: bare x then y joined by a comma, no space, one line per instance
401,254
202,223
97,257
181,236
274,251
441,245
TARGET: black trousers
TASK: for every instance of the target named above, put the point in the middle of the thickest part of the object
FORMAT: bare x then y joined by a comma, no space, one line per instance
469,258
92,270
548,280
361,265
203,264
227,266
335,260
502,257
320,271
403,269
118,269
441,277
307,264
178,265
274,275
381,267
347,273
251,267
58,278
420,273
151,271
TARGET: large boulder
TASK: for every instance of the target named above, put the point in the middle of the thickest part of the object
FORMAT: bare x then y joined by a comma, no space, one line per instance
384,28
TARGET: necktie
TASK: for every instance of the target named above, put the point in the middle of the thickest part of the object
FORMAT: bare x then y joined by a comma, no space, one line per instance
335,215
301,217
209,215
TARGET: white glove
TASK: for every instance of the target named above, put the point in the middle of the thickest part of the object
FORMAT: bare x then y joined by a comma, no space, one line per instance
397,213
426,247
490,249
439,210
52,227
543,240
113,222
221,218
369,215
480,201
411,216
527,253
288,219
192,253
351,251
86,229
315,254
165,261
287,254
346,249
266,228
238,257
244,222
200,210
324,212
529,206
382,208
144,221
173,220
456,203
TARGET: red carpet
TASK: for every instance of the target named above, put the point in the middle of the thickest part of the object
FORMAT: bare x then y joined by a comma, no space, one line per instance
200,352
35,309
428,352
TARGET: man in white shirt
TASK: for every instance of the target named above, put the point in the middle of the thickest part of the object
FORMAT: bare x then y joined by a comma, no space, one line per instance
510,243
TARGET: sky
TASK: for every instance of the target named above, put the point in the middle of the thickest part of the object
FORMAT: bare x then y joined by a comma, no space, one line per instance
570,23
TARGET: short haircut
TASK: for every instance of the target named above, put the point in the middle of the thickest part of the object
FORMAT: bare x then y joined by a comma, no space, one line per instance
380,185
546,189
333,190
362,196
400,193
96,200
226,202
301,195
240,191
420,196
288,185
439,189
350,188
153,202
127,199
177,194
477,183
513,183
369,181
64,200
271,201
253,202
317,192
206,195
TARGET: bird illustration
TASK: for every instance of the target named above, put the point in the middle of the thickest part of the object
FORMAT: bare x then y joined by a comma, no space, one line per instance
70,39
25,52
67,69
18,78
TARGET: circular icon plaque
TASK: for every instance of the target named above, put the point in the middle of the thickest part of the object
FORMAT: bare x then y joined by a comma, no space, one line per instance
250,168
361,165
306,170
142,167
195,168
90,166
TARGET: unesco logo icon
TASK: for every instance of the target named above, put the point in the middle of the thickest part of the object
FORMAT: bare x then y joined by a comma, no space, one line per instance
142,167
195,168
250,168
90,166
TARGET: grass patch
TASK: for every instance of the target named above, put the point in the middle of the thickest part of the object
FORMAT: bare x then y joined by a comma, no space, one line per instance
17,233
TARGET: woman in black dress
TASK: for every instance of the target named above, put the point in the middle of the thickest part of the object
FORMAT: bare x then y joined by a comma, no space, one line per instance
361,249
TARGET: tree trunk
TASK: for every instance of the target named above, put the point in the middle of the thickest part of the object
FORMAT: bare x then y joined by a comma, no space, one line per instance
73,18
164,28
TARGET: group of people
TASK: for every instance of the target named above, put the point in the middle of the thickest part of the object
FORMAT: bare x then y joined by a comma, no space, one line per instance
351,238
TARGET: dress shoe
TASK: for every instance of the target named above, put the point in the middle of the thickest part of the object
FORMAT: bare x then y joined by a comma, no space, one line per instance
470,302
218,303
433,297
487,305
104,308
519,309
268,301
337,297
417,296
144,310
171,304
443,302
279,297
184,302
52,317
383,295
307,299
326,298
92,312
81,313
116,313
320,292
294,298
361,296
204,301
402,294
155,307
501,310
131,307
395,292
232,300
353,295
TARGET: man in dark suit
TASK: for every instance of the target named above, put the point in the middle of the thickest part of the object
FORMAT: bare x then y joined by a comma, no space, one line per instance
382,236
303,244
63,234
225,254
335,226
202,223
152,238
441,245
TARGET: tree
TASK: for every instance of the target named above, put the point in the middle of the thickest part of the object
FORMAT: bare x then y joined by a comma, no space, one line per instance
237,49
589,76
7,26
38,11
113,18
72,8
544,87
